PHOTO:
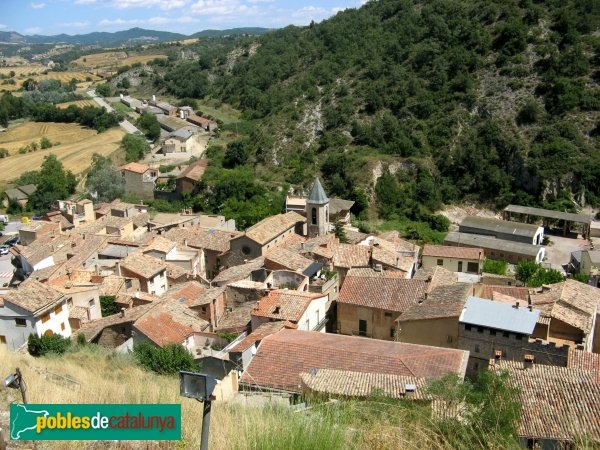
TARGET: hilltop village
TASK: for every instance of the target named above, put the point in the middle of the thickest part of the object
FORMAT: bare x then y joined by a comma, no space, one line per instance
288,307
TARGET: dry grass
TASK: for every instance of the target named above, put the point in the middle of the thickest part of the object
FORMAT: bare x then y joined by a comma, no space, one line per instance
39,73
77,145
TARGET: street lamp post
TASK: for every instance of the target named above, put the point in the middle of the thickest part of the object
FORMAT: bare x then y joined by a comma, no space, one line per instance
15,381
199,386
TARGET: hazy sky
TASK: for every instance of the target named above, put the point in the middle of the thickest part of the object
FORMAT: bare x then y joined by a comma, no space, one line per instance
50,17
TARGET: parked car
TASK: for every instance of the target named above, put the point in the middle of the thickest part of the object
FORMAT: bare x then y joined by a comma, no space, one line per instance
4,250
12,241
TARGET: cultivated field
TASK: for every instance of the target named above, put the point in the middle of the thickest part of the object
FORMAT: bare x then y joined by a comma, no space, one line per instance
39,73
79,103
74,146
112,59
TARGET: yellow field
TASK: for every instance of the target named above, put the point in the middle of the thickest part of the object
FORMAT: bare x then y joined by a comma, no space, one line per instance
77,145
113,59
80,103
37,73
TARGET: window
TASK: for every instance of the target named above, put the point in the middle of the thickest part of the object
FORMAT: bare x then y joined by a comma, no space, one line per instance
313,220
449,339
45,318
388,314
91,303
245,250
472,267
476,348
480,329
460,266
468,327
493,332
307,324
440,262
20,322
62,326
58,310
204,309
392,333
317,314
506,334
519,337
2,339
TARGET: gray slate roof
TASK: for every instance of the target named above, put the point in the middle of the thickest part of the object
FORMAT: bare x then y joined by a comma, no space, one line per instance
491,243
500,316
317,195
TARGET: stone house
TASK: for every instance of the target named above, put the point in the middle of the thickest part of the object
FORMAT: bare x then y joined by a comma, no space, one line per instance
139,180
455,259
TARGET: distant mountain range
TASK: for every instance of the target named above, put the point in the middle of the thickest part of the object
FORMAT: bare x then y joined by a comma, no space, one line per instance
132,36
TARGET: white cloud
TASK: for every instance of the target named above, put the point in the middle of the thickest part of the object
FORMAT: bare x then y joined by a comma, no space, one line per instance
162,4
223,8
261,1
84,2
37,5
33,30
3,27
83,24
159,20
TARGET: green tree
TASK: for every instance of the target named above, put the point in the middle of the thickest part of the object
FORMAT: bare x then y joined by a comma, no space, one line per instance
545,276
525,270
103,90
149,124
45,143
135,147
53,183
104,180
108,305
340,232
168,360
581,277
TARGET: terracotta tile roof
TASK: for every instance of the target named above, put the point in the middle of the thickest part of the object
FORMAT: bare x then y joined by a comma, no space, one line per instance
287,258
176,272
386,293
443,301
268,229
354,237
78,312
206,238
112,285
349,255
240,272
261,332
160,244
135,167
143,265
445,251
284,304
238,319
437,276
579,359
572,302
283,356
558,403
370,272
346,383
170,322
196,170
41,227
208,296
188,292
519,293
32,296
95,327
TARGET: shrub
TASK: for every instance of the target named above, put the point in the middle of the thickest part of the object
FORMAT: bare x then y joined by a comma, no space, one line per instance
108,306
40,346
494,266
45,143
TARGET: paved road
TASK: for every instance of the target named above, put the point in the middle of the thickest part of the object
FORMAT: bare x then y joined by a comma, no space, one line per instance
125,124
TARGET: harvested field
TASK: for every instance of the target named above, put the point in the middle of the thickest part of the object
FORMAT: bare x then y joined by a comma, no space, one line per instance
113,59
80,103
77,145
39,73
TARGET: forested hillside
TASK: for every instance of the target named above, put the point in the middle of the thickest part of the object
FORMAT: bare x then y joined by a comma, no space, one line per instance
496,101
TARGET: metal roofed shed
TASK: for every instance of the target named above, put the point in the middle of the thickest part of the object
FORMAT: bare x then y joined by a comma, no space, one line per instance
583,219
500,316
503,229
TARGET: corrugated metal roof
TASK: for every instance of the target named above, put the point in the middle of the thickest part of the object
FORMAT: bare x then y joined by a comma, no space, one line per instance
491,243
540,212
499,226
500,316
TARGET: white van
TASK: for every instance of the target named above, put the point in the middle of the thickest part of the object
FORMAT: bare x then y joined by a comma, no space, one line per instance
4,218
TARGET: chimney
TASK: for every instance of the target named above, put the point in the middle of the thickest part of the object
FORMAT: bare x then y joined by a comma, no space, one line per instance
530,308
517,305
528,361
96,269
301,245
122,312
277,310
118,268
409,390
497,355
